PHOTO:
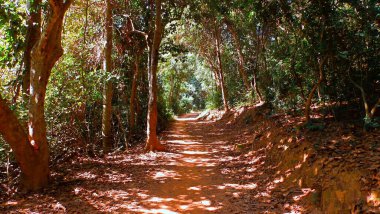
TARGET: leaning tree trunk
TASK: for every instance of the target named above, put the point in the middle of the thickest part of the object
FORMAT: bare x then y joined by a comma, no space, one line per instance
152,143
220,70
31,150
31,161
108,88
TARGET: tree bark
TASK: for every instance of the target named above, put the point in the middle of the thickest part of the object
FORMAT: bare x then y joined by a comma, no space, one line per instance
132,106
315,87
34,172
31,149
241,60
32,35
46,52
108,88
255,86
369,112
85,22
152,143
220,69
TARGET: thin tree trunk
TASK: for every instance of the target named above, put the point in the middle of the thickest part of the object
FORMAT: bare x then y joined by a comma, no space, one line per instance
315,87
369,113
108,88
132,106
220,70
374,108
32,36
171,92
255,86
241,61
152,143
85,22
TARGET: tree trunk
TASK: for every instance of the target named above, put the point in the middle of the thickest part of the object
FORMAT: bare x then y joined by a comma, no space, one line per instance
241,61
369,112
255,86
85,22
33,163
132,106
31,150
152,143
45,54
171,92
108,88
32,35
315,87
220,70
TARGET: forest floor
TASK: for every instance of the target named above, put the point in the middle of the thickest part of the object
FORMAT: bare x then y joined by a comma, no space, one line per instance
207,169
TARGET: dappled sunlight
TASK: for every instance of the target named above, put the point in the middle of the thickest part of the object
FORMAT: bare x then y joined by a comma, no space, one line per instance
238,186
165,174
200,161
182,142
185,179
196,175
194,152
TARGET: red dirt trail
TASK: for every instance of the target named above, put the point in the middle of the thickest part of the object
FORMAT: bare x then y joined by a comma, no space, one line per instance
188,179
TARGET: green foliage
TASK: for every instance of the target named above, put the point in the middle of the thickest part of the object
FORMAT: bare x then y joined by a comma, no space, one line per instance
282,43
12,32
314,126
214,100
371,123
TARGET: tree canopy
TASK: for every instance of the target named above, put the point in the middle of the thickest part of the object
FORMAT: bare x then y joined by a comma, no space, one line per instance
93,77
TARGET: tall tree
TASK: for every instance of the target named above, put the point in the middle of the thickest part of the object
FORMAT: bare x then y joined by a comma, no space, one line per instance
241,61
31,149
108,88
220,68
132,103
152,142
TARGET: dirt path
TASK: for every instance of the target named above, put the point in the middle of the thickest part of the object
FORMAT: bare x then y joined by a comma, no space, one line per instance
187,179
191,181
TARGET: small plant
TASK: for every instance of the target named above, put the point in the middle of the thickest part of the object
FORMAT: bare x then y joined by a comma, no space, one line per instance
371,123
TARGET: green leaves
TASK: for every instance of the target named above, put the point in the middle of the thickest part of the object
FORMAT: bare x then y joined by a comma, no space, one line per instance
12,32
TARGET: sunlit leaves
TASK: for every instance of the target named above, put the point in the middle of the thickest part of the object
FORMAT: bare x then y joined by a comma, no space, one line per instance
12,32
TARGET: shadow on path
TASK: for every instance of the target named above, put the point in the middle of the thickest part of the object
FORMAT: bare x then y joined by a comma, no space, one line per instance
186,180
